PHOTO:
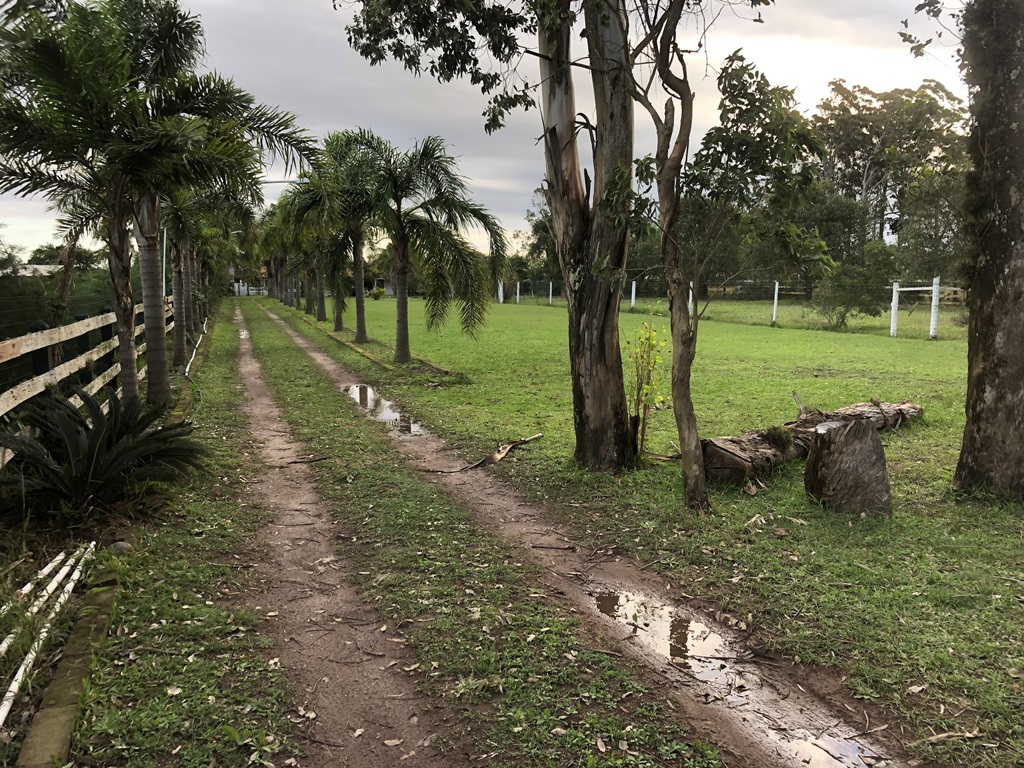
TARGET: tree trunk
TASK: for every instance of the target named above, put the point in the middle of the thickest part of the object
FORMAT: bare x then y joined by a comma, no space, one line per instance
403,354
846,470
147,234
178,286
339,320
684,349
310,292
119,259
992,453
197,293
756,453
360,288
68,259
672,144
186,292
592,251
321,300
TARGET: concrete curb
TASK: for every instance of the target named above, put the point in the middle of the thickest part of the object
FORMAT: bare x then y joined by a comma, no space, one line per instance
49,735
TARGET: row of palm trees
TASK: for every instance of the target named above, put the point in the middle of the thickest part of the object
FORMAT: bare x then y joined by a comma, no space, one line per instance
364,190
103,113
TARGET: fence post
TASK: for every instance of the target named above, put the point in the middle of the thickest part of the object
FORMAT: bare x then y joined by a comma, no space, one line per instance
42,359
895,309
551,291
632,296
501,292
933,332
775,306
517,291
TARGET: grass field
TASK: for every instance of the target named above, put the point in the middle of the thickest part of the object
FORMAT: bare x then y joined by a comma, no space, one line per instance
925,612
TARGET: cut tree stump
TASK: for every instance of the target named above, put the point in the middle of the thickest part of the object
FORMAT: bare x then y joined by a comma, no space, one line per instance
846,470
756,453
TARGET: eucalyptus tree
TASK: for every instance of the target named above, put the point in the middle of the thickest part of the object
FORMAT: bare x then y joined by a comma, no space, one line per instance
992,452
105,104
422,205
446,39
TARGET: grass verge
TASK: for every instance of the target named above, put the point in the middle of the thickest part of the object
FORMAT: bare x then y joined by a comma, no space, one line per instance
181,679
487,639
923,613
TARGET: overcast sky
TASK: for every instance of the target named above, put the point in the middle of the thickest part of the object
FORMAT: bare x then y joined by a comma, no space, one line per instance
294,54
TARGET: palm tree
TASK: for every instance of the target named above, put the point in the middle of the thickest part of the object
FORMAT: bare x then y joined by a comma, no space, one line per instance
421,203
105,105
340,195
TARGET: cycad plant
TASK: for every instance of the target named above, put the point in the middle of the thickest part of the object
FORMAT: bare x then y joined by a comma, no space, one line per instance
72,462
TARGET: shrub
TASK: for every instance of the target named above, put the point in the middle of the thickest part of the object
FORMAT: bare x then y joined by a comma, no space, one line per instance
377,294
70,462
856,289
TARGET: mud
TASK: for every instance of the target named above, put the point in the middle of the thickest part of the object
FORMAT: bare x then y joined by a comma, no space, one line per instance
356,705
383,410
762,713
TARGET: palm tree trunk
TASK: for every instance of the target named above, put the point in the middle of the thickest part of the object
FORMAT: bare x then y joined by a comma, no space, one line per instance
186,293
177,285
360,289
403,354
297,288
119,260
321,300
339,320
310,291
197,288
68,259
147,233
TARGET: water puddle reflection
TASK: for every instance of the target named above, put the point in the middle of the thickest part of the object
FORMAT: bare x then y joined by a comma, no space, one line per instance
696,648
383,410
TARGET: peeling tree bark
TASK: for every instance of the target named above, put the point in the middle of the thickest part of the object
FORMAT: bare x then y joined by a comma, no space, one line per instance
992,453
592,251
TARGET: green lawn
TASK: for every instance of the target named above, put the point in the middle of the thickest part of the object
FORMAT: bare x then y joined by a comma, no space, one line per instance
933,598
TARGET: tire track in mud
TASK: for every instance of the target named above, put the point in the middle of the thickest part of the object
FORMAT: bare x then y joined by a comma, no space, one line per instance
357,708
758,712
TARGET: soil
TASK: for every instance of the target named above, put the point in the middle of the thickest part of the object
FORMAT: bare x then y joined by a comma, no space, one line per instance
358,707
760,711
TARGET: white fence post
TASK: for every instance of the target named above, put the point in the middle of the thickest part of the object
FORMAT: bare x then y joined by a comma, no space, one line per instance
775,306
632,297
933,332
551,292
895,308
501,292
517,291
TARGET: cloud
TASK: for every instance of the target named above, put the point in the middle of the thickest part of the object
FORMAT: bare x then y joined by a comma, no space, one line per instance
295,55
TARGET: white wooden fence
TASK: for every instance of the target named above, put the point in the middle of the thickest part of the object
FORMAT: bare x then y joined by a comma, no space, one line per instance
99,358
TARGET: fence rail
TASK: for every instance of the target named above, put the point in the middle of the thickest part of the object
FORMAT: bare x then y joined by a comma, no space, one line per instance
93,366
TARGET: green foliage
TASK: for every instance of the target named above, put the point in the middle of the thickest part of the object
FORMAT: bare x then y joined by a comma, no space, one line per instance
852,289
750,175
377,294
644,378
70,463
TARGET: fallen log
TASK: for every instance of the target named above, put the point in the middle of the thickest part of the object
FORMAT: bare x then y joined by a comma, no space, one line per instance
756,453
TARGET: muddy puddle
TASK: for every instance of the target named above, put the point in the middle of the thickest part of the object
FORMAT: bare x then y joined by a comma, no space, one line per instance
732,682
383,410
